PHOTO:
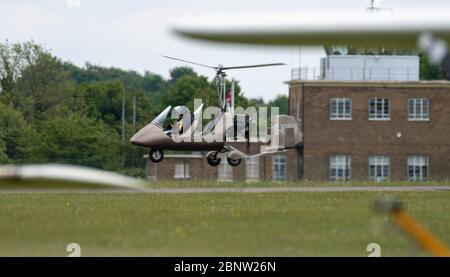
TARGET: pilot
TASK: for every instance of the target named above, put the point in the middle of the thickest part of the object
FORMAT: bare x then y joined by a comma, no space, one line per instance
179,123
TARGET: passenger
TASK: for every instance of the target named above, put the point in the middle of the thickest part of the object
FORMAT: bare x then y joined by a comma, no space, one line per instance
179,124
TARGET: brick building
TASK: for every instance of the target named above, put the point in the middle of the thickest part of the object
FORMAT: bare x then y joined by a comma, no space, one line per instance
373,130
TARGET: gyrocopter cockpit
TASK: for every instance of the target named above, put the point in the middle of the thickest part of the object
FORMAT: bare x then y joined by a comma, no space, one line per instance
179,118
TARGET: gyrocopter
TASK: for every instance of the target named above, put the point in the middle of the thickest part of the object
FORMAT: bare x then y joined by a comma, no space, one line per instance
221,136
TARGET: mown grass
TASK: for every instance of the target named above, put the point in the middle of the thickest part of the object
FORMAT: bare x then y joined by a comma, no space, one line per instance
303,183
238,224
54,184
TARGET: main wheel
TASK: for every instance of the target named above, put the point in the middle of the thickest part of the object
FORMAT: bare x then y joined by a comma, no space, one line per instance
212,159
234,162
156,155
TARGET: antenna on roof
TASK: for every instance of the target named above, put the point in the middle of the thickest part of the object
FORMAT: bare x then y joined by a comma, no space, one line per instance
375,6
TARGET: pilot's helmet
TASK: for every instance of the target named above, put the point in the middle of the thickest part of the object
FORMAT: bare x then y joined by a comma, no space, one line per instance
181,110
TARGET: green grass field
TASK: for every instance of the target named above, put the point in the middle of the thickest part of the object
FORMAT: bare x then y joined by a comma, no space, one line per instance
233,224
243,184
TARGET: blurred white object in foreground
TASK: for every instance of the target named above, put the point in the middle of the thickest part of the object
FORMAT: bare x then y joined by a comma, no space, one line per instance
67,174
400,28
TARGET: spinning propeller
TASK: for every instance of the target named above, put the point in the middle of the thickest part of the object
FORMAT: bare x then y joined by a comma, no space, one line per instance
220,68
220,75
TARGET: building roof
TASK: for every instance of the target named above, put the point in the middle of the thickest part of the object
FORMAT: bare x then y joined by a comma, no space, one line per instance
327,83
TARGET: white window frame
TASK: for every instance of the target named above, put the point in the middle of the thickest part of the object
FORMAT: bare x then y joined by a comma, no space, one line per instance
225,171
420,163
424,109
341,114
252,169
340,162
373,115
279,168
181,170
379,164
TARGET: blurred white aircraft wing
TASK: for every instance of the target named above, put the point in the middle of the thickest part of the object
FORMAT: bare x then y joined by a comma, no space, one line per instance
346,27
60,175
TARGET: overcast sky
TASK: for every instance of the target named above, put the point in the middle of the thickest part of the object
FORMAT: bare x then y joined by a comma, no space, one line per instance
133,35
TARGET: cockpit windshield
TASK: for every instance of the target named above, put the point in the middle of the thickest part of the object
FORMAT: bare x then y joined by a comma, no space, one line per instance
187,118
198,112
161,118
212,124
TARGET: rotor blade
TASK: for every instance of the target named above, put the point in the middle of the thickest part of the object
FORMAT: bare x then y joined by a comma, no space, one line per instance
176,59
345,27
252,66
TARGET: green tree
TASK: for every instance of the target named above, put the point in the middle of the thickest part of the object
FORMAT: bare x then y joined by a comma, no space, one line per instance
3,155
95,73
152,85
153,82
17,136
256,101
14,58
179,72
77,139
103,101
428,70
282,102
43,90
186,89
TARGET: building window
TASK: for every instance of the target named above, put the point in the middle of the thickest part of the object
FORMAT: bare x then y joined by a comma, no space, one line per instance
279,168
340,108
417,168
181,170
379,168
379,109
252,169
340,167
418,109
225,171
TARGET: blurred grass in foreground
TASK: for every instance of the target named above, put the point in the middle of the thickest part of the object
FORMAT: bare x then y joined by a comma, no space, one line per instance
236,224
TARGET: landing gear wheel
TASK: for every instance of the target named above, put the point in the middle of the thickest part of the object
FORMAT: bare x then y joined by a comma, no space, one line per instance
234,162
212,159
156,155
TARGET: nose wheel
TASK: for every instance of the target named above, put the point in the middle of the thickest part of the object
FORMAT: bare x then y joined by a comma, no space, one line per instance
213,159
156,155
